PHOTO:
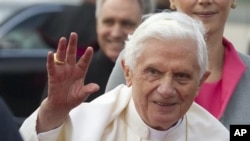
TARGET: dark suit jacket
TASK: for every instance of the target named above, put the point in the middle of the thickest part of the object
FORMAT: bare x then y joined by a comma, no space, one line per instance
99,71
8,127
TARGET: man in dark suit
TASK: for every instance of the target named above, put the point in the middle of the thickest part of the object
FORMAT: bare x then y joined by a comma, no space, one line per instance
8,127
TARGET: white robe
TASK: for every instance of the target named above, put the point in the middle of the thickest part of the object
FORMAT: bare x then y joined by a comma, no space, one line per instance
112,117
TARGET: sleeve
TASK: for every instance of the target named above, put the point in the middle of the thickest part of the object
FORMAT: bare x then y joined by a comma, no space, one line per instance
28,128
51,135
116,77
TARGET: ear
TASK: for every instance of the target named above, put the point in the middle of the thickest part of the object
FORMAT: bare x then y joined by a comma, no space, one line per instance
234,1
204,77
172,4
234,4
127,73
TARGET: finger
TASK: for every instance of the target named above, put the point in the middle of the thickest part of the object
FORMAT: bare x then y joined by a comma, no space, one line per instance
71,49
85,60
50,63
61,49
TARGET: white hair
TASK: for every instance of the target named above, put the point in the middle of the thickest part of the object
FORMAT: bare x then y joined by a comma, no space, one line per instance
166,26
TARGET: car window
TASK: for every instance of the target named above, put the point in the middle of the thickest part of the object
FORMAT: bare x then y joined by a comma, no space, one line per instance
26,35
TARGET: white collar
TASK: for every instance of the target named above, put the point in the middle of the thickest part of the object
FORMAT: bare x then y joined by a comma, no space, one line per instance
157,135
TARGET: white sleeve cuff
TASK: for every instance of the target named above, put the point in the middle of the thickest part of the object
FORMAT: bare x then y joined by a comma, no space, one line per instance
51,135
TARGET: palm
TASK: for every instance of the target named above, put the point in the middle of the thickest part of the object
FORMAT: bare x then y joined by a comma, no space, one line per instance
65,86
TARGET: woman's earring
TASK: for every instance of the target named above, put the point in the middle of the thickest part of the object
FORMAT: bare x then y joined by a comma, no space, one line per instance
234,5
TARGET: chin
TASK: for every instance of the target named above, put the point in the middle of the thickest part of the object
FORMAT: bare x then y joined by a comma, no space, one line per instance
160,119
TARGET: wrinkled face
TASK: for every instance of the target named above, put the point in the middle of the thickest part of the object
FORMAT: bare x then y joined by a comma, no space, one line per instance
117,18
213,13
164,81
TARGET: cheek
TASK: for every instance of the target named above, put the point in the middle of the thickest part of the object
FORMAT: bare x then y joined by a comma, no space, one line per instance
142,88
143,96
187,96
188,93
186,7
224,3
141,100
102,31
181,6
129,31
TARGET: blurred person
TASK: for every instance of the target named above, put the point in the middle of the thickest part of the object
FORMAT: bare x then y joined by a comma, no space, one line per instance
114,22
225,93
8,127
156,104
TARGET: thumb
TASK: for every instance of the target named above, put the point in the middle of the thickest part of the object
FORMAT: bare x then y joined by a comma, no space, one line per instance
88,90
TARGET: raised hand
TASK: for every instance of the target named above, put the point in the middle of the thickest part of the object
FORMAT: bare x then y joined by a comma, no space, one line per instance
66,89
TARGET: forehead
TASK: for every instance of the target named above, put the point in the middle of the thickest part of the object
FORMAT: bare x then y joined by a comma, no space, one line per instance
175,51
121,8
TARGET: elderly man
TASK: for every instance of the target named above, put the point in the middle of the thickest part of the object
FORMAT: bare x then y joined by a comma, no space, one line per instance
165,63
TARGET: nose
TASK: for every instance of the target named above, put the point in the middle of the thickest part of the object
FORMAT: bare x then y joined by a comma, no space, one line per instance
166,88
204,2
117,31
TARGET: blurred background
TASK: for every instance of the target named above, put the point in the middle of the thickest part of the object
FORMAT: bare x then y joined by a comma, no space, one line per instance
23,51
238,26
24,45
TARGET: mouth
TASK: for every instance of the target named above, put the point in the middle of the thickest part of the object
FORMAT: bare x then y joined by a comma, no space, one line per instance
117,46
164,104
117,42
205,14
165,107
